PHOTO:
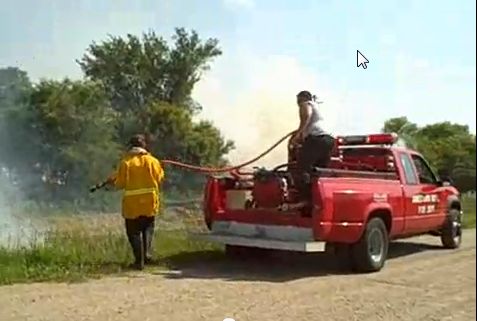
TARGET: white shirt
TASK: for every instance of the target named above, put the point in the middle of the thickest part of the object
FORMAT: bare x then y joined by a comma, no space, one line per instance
315,126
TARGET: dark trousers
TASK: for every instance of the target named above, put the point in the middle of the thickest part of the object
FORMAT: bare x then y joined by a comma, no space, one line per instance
315,152
140,232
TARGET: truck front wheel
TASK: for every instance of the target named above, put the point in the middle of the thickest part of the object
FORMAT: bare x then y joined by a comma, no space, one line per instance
451,235
371,251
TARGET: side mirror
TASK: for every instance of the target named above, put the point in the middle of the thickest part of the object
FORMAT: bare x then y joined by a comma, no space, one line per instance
444,178
445,181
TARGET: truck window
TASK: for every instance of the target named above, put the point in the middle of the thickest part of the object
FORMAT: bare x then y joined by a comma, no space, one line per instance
424,172
408,169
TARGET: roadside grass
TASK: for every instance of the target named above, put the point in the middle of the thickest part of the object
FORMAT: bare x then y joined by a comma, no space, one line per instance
80,247
468,206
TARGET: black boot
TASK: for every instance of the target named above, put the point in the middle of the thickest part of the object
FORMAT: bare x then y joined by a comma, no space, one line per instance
138,259
135,240
147,237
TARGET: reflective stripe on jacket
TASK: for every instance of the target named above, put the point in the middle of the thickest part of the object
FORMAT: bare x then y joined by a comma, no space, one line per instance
139,175
139,191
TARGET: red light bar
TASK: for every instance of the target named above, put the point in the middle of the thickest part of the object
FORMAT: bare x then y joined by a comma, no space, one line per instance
387,139
374,139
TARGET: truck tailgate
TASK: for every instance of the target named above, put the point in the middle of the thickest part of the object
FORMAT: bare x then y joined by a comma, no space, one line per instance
263,243
277,231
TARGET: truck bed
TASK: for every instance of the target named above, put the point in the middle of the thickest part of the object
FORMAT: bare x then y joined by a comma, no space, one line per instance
343,200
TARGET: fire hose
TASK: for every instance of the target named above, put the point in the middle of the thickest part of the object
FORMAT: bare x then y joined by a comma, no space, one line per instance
209,170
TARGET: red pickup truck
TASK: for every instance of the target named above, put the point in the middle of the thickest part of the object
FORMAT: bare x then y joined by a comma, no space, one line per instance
371,193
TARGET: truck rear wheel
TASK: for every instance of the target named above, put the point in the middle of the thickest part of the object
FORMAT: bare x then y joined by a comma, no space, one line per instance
371,251
342,254
451,235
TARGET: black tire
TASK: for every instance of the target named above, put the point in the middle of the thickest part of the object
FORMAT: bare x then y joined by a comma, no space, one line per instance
451,235
341,253
371,251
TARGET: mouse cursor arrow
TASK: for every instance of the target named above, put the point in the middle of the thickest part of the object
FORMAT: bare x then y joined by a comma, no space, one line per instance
361,60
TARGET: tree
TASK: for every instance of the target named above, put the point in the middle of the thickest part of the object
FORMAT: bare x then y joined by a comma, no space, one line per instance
14,86
137,71
404,128
58,137
451,148
448,145
150,83
64,140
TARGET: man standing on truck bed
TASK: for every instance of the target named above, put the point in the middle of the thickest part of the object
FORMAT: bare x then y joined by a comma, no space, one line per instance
139,174
316,144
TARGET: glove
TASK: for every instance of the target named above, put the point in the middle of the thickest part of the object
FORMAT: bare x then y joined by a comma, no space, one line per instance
94,188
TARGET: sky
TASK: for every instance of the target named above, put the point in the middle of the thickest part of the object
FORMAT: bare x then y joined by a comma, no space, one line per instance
422,57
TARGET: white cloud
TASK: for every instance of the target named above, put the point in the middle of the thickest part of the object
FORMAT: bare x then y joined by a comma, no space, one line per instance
233,4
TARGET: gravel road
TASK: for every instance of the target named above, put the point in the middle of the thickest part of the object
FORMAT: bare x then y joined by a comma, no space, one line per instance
420,281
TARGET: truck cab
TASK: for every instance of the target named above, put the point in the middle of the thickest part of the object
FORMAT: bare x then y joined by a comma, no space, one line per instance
371,193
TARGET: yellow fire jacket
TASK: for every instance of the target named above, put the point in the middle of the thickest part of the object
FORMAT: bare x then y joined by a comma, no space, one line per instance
139,175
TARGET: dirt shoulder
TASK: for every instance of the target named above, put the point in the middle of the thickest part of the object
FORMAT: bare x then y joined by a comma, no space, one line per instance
420,281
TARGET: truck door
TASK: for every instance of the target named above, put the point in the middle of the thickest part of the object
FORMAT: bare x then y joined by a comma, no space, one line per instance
430,199
424,202
410,187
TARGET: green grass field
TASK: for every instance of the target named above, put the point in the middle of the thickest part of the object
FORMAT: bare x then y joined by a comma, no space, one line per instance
90,246
86,247
468,205
66,257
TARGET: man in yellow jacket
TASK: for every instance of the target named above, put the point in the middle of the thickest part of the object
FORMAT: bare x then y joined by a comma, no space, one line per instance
139,175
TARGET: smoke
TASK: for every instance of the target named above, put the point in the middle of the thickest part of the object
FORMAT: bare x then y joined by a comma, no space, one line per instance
16,225
402,143
252,102
9,224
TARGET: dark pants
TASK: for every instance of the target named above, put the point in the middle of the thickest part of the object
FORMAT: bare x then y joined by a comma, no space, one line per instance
315,152
140,232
